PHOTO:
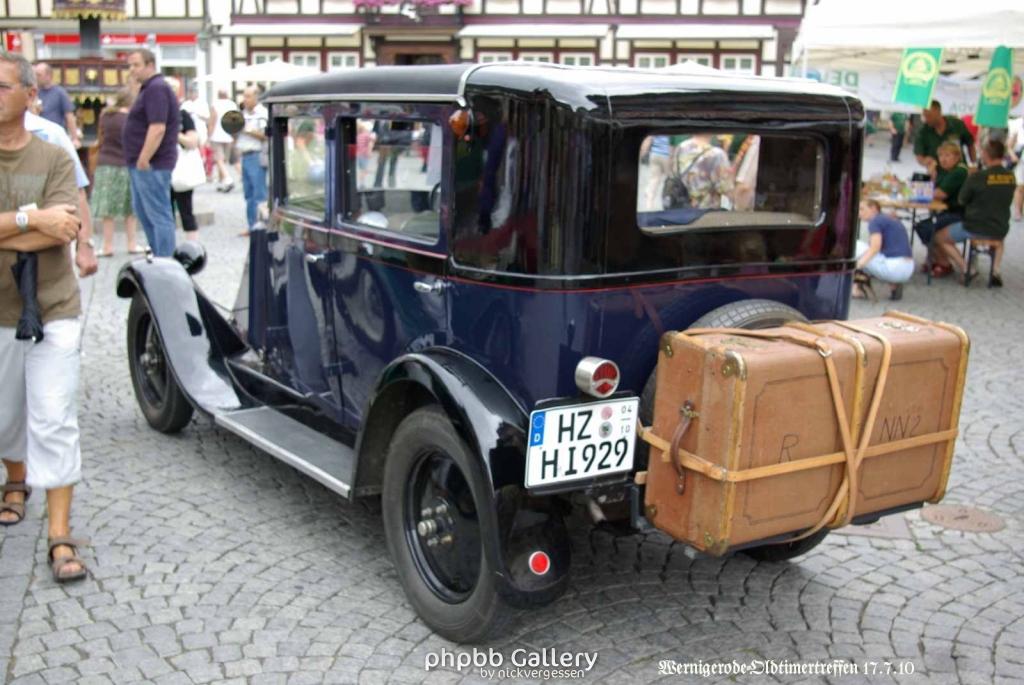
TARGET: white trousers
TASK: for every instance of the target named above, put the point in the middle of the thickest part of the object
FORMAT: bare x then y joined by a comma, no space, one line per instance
39,403
888,269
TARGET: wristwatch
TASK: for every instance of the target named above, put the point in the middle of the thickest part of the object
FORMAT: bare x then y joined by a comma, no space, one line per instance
21,221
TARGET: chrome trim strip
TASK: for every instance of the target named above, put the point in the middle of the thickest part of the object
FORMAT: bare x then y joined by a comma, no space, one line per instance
464,79
293,460
364,97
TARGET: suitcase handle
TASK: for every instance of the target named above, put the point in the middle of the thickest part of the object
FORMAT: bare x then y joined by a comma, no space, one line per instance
689,413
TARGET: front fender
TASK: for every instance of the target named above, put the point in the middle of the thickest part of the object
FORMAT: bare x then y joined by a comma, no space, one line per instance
195,338
493,425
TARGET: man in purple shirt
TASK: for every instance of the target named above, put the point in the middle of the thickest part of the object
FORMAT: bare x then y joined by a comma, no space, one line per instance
150,148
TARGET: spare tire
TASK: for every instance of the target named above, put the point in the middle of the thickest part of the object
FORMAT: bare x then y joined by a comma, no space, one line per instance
750,314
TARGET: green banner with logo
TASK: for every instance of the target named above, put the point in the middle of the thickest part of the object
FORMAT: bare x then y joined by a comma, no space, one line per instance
994,103
919,70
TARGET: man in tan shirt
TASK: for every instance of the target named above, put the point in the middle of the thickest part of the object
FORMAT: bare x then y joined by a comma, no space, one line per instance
39,437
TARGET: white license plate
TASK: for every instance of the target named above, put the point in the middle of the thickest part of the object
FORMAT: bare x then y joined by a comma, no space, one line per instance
581,441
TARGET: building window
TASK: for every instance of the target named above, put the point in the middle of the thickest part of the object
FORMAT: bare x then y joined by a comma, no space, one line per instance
537,57
305,59
491,57
651,60
739,64
264,56
703,59
577,59
342,60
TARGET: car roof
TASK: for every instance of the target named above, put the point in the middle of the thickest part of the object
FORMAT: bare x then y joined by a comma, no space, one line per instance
570,85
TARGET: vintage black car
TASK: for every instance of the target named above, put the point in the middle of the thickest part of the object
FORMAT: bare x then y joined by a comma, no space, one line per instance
456,302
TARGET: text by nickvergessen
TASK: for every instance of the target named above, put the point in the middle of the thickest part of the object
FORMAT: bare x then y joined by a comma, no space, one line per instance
532,664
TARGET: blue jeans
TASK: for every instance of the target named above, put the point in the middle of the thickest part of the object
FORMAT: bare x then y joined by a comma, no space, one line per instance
151,200
959,233
254,184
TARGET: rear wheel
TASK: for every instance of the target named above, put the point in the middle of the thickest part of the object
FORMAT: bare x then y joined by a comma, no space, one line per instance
786,550
156,389
435,533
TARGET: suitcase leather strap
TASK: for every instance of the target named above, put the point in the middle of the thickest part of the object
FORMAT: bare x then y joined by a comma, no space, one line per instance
855,448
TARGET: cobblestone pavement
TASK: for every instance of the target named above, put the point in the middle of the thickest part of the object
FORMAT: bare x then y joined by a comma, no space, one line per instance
215,563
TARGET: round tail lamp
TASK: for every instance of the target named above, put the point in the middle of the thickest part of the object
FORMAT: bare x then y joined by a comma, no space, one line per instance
597,377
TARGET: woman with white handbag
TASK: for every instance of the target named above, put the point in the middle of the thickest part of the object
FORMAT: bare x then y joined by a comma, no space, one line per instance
189,172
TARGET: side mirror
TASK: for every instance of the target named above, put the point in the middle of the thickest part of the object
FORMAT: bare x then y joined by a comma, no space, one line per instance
190,255
232,122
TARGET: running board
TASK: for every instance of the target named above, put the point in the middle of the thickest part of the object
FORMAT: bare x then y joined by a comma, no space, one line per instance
323,459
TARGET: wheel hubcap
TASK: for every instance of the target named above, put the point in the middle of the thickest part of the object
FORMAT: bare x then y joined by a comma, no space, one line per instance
151,363
442,529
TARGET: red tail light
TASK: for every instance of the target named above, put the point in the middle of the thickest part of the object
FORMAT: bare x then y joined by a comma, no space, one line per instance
597,377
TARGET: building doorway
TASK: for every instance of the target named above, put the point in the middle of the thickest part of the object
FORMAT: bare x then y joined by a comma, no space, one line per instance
409,54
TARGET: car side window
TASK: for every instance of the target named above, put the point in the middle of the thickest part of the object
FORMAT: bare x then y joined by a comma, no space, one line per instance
304,165
397,169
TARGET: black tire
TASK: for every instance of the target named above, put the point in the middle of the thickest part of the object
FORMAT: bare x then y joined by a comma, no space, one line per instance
156,389
752,315
786,550
451,586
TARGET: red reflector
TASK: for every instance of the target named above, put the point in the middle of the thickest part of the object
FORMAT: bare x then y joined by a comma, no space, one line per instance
606,371
605,388
540,563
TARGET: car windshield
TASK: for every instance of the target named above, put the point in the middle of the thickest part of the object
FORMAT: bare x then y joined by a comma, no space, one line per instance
713,180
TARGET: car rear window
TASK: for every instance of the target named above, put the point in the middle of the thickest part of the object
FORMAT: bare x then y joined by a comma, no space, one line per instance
712,180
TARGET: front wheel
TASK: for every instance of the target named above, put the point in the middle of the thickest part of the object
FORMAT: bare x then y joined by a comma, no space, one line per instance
156,389
435,533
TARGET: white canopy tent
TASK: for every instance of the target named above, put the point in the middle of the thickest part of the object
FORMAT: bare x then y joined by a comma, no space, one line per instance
274,70
858,45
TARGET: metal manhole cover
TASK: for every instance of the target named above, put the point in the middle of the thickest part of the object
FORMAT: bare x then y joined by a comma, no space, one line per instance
960,517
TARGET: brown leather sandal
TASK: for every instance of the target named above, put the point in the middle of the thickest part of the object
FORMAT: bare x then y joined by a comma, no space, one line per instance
58,565
16,508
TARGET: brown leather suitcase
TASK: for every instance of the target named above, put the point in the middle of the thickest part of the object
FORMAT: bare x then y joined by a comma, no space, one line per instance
756,414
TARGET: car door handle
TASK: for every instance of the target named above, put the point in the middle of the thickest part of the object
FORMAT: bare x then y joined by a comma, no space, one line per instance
429,287
314,258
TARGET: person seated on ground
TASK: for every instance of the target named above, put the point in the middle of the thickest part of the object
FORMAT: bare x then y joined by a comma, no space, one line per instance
887,255
936,129
948,175
986,196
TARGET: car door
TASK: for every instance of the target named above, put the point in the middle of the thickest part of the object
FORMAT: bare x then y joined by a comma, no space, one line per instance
389,286
300,339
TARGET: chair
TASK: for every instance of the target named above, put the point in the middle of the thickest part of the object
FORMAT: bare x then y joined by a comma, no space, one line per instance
985,246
